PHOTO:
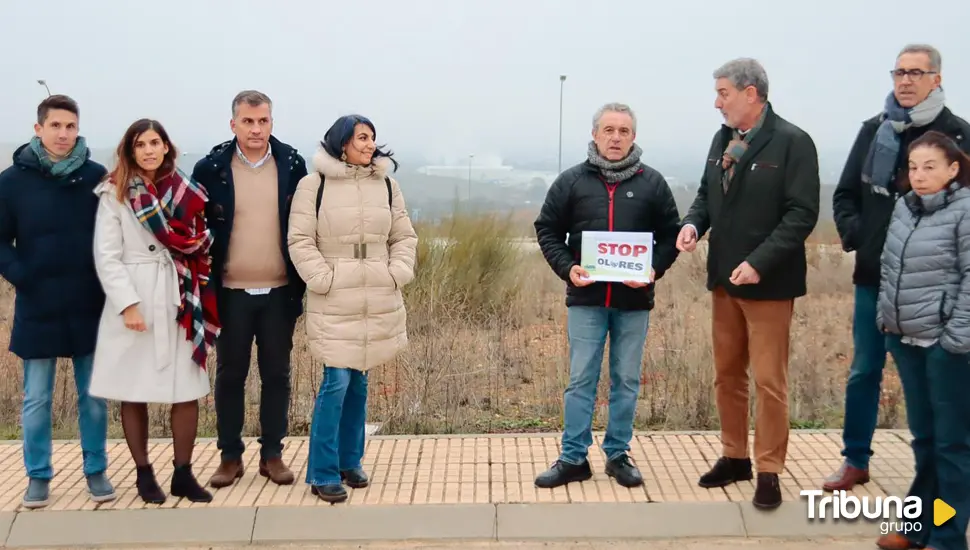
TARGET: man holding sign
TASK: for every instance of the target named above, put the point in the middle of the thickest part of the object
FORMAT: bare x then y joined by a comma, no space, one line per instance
759,197
621,222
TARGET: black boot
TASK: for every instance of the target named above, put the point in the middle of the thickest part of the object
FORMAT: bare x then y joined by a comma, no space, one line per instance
185,485
624,471
727,471
147,486
562,473
333,493
355,479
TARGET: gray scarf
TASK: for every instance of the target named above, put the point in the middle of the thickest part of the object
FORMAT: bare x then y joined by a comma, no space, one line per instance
880,162
615,171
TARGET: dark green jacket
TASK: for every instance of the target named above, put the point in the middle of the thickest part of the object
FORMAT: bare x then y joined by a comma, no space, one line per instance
770,209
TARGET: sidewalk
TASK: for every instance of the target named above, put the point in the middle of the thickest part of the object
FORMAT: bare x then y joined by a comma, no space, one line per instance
445,487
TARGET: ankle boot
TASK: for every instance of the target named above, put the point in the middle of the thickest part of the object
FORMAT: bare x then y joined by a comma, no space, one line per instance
147,486
185,485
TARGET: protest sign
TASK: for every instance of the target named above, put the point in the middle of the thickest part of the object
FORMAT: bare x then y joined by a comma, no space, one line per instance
617,256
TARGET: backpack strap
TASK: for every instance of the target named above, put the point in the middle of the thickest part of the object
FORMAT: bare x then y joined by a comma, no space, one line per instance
387,181
320,194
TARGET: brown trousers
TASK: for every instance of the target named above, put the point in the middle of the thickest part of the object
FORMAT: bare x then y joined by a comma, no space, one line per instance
755,331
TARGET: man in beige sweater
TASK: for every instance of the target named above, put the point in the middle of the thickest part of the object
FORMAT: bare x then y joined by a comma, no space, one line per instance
251,180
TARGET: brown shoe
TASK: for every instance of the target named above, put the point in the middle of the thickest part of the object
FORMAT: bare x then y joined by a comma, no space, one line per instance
895,541
276,471
845,478
767,493
227,473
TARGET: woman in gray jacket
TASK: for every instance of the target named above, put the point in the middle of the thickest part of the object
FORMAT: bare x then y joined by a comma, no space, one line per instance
924,309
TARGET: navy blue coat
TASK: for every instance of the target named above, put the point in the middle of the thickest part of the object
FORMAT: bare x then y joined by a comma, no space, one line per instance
47,254
214,173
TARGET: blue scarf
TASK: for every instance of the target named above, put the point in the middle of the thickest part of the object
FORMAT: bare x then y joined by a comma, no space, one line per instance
74,160
880,163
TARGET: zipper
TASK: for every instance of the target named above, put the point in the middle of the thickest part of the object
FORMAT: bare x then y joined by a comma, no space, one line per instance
902,263
363,250
611,189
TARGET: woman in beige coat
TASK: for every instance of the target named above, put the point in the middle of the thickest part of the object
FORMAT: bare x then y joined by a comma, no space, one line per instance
151,254
352,242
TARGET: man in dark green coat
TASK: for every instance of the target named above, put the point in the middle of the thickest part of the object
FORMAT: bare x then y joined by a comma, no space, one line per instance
759,198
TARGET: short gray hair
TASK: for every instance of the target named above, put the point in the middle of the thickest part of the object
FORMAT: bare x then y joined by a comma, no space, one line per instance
936,60
614,108
744,72
252,98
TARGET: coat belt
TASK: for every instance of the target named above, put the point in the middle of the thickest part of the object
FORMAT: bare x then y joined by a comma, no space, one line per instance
354,251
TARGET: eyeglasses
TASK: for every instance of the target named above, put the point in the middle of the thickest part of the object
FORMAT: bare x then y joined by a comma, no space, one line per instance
913,74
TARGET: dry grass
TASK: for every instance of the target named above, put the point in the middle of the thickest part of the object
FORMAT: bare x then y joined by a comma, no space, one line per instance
488,349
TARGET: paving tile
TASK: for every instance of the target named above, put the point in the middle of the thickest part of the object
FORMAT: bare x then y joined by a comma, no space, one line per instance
475,469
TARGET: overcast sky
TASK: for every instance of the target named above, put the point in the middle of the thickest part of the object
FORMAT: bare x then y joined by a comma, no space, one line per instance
452,77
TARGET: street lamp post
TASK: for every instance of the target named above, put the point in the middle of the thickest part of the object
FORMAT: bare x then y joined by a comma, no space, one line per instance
43,83
562,81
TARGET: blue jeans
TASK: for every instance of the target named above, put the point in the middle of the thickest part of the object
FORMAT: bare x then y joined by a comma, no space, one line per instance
865,379
337,429
935,385
39,375
588,328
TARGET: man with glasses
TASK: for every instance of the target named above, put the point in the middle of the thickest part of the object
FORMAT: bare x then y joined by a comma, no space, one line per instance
863,203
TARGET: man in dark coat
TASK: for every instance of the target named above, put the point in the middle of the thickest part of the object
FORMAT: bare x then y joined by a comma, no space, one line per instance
47,213
872,180
251,180
611,191
759,198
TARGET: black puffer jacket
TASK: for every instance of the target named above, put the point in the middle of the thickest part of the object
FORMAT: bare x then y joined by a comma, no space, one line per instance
861,215
579,200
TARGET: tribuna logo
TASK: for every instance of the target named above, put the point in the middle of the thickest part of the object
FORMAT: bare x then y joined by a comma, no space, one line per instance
842,505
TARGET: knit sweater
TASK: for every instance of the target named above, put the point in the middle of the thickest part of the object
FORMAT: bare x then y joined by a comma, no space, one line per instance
255,259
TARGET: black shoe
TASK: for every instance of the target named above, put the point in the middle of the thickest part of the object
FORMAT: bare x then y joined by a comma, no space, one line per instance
355,479
624,471
330,493
184,485
562,473
727,471
147,485
767,495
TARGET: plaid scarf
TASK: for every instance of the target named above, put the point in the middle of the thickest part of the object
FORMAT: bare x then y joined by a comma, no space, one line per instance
174,211
736,148
63,167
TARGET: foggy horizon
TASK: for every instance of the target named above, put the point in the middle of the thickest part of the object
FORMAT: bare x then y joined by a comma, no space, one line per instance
443,81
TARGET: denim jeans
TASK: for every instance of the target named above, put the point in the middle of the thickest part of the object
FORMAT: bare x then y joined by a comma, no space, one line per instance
588,329
39,376
337,429
865,379
935,386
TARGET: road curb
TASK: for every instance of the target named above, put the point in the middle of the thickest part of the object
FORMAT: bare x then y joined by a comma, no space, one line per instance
460,522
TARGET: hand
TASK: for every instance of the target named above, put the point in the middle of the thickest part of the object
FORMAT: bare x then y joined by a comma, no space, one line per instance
133,319
640,284
744,274
687,239
579,276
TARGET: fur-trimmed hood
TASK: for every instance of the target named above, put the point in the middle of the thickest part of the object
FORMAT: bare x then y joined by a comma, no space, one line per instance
334,168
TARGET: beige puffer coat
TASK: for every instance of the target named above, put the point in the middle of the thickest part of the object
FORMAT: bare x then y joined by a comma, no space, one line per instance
355,257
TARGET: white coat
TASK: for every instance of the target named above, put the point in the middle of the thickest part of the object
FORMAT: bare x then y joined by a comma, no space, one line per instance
154,366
